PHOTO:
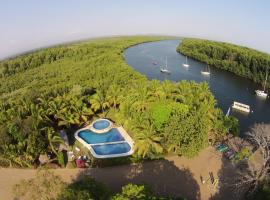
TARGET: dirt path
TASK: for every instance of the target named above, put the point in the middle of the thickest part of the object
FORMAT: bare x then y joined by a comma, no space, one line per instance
176,176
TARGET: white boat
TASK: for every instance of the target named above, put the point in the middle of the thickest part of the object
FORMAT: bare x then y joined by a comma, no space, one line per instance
241,107
262,93
206,71
185,64
165,69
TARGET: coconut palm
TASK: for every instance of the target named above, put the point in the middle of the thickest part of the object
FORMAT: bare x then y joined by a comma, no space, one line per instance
114,96
147,143
157,90
142,97
99,101
53,140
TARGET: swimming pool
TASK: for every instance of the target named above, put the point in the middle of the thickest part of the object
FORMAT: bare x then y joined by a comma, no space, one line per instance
115,142
90,137
109,149
101,124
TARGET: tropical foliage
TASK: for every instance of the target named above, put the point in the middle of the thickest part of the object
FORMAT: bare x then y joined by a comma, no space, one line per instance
137,192
67,86
85,188
242,61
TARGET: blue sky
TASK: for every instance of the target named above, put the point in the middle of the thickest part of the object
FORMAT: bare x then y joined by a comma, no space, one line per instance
29,24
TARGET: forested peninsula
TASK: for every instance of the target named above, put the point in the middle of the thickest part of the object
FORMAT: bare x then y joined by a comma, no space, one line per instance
68,86
239,60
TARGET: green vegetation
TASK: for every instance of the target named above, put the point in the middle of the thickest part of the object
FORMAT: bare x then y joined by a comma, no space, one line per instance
242,61
137,192
67,86
86,188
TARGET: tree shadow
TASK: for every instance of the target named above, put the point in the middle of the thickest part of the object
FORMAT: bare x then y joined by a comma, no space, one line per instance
228,176
162,176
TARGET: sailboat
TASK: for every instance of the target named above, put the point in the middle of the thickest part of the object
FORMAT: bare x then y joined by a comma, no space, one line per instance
165,69
185,64
262,93
206,71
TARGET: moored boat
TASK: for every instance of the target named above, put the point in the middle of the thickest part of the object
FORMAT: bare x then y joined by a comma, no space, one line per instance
241,107
186,64
206,71
165,69
262,93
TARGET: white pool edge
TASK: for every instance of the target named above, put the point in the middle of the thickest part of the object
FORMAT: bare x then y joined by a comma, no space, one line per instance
92,128
124,134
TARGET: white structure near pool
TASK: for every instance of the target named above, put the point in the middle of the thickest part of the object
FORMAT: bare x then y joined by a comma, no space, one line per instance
104,140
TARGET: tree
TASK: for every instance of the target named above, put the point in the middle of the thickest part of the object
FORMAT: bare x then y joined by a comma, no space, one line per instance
148,143
259,136
54,140
114,96
85,188
134,192
99,101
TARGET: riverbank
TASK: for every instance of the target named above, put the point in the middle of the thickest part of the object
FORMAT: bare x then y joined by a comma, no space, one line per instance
175,176
242,61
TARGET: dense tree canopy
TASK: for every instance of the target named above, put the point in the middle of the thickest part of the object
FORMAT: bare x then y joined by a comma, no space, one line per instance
67,86
242,61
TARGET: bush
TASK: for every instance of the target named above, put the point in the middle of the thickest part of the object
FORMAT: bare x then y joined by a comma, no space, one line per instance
86,188
61,159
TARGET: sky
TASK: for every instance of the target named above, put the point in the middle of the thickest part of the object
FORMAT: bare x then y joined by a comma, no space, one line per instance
30,24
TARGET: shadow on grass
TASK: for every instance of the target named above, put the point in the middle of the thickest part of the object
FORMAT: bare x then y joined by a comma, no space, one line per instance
162,176
228,182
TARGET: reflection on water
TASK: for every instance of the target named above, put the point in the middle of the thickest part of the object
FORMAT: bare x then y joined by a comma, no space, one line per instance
226,86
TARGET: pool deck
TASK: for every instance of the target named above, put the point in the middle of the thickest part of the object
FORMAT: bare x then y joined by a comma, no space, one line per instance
121,130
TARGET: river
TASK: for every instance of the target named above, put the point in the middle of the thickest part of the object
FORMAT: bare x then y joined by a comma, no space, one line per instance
225,86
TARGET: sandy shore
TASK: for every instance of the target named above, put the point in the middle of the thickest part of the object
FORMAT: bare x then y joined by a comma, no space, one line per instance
175,175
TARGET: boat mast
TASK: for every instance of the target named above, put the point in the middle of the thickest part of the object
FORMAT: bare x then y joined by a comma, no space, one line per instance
166,63
228,112
186,59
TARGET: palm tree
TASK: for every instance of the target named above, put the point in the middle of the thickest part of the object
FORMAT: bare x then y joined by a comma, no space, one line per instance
54,140
142,97
147,142
114,96
157,90
99,102
167,87
68,110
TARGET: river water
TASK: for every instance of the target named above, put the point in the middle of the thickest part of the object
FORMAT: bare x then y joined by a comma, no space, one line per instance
225,86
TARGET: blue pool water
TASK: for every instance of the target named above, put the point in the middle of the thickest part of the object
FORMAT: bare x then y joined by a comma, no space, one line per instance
108,149
101,124
93,138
